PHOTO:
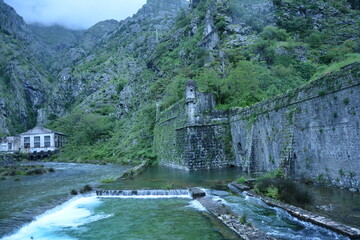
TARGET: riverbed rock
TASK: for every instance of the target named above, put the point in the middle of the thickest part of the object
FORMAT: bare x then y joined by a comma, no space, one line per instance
196,193
219,193
329,207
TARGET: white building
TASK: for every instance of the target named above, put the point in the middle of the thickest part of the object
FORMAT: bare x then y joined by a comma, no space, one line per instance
9,144
40,139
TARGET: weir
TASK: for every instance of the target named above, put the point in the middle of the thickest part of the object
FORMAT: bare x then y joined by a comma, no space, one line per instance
173,193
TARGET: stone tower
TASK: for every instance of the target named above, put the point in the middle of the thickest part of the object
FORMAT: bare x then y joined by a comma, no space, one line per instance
190,100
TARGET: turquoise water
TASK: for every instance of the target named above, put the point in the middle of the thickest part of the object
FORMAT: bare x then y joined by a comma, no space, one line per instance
276,222
146,217
114,218
21,200
165,177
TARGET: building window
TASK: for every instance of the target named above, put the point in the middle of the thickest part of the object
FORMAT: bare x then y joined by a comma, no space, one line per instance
9,146
47,141
36,142
26,142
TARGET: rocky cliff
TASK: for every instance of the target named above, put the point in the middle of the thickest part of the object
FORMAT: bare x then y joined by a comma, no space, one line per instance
24,81
47,69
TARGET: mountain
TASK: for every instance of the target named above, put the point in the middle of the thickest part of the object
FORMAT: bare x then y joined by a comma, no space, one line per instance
103,86
24,82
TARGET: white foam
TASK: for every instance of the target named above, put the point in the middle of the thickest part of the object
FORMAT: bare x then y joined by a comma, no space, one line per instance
74,213
148,196
197,205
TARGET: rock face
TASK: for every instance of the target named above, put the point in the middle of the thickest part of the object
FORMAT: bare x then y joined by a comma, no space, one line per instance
99,32
45,70
23,84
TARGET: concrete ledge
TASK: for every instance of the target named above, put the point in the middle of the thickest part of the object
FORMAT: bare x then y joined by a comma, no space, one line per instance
351,232
231,220
240,187
133,172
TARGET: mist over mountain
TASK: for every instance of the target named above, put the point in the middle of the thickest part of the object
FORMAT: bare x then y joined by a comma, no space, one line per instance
77,15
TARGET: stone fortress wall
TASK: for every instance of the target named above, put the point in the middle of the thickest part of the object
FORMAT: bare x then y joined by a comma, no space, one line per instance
312,132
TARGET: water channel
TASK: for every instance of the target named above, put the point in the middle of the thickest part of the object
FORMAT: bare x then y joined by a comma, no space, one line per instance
147,217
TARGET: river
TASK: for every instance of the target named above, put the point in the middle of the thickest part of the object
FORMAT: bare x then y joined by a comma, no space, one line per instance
147,217
32,195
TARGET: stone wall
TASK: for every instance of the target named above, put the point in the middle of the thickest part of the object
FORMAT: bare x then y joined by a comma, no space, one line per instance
165,139
205,146
192,135
313,132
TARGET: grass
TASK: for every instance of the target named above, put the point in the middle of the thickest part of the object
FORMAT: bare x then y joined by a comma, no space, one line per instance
168,186
108,180
241,180
334,67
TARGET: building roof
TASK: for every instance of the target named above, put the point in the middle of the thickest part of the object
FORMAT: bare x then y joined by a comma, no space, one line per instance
39,130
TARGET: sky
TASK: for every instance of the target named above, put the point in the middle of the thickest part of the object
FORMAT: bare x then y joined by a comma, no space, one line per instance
74,14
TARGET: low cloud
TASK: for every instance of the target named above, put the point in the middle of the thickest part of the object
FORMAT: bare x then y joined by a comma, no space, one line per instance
79,14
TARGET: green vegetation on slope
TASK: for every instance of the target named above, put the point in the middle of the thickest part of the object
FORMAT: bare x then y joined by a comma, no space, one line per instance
259,55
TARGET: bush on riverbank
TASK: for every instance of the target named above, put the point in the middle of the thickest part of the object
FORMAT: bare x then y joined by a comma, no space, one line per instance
24,170
277,186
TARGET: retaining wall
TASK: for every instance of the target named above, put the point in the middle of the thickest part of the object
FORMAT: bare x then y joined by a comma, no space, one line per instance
313,132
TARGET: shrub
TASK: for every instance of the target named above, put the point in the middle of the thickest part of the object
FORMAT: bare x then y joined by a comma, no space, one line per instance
37,171
120,86
272,192
315,40
169,186
322,93
242,219
108,180
87,188
276,186
274,33
241,180
220,26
